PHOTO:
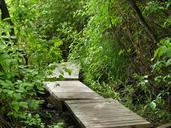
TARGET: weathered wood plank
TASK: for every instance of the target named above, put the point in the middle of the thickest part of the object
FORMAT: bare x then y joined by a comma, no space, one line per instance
78,96
165,126
70,90
68,70
105,114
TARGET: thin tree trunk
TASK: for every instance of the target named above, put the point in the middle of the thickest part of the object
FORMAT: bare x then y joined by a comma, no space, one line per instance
142,20
6,16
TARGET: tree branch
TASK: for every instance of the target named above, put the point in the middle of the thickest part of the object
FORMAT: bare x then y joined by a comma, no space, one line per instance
142,20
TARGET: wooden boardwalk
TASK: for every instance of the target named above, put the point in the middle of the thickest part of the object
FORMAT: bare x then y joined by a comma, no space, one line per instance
90,109
71,90
104,114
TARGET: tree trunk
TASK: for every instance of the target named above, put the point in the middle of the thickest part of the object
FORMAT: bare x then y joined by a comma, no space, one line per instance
142,20
6,16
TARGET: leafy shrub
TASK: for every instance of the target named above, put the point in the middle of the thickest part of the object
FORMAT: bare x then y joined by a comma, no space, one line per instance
18,87
20,81
94,47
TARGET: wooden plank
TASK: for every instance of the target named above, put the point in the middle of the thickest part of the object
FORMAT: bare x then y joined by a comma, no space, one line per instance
105,114
67,86
68,70
165,126
78,96
102,100
70,90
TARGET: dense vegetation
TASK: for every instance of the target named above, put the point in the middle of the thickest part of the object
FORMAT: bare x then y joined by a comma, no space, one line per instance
123,47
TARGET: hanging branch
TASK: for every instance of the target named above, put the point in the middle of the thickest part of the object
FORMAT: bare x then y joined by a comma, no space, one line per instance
142,20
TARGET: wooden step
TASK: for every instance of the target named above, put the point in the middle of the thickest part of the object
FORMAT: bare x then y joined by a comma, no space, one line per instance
105,113
70,90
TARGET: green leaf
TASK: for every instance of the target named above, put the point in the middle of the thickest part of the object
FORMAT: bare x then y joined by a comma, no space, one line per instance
15,106
61,77
23,104
69,71
168,63
168,52
153,105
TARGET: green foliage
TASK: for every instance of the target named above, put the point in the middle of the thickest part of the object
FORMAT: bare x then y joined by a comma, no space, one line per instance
164,49
34,32
116,54
24,62
105,90
57,125
95,41
150,95
19,86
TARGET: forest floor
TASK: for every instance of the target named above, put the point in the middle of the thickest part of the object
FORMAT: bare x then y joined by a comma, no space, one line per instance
51,116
